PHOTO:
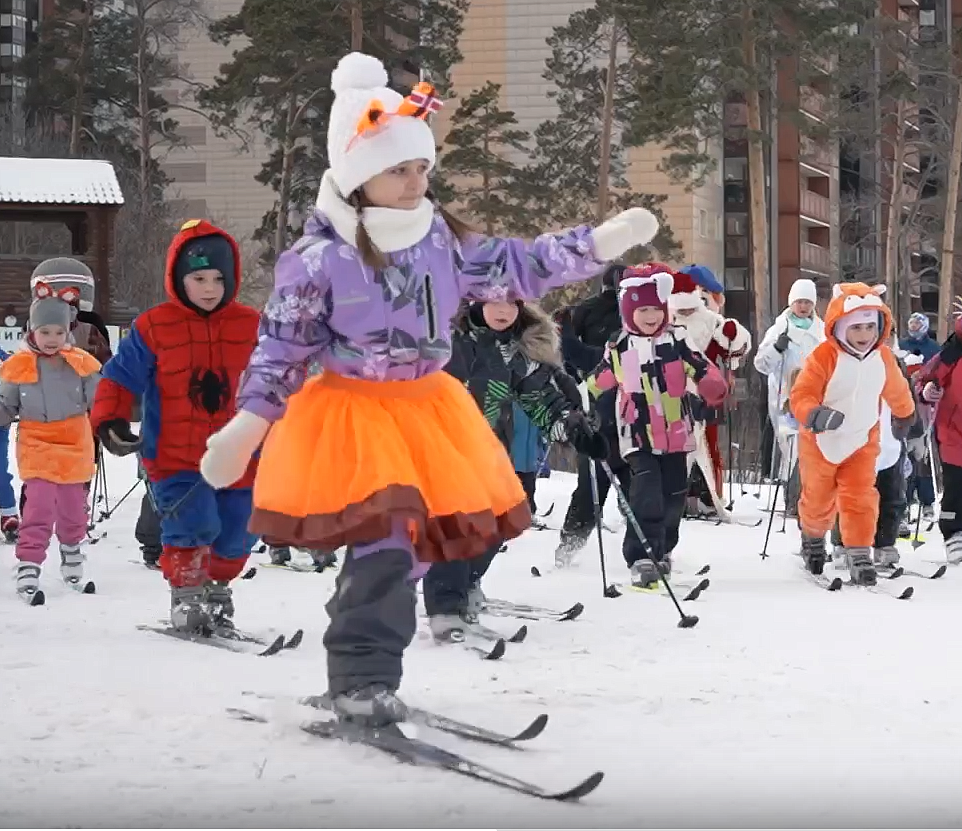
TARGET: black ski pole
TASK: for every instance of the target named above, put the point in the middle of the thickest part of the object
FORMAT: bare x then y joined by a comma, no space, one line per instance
778,404
606,589
771,519
108,514
686,621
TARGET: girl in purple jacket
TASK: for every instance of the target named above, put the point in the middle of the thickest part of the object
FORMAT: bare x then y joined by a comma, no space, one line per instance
383,451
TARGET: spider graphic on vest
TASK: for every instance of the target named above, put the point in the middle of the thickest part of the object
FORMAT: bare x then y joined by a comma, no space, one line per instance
209,390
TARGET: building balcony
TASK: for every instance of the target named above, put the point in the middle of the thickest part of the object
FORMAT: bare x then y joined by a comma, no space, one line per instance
812,103
815,154
815,258
814,206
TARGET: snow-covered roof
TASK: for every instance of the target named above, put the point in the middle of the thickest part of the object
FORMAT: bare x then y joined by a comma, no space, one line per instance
58,181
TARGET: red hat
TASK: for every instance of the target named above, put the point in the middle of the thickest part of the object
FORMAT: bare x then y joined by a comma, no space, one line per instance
685,294
647,285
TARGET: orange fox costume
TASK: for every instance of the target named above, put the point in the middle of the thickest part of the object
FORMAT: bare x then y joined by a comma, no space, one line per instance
838,467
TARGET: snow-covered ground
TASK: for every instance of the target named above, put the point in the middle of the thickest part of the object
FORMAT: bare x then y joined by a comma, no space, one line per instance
785,706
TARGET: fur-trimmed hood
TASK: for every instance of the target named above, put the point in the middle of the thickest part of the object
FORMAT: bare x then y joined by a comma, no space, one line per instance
538,337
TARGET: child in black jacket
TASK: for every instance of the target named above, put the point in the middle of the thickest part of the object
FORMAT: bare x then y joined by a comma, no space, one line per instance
505,353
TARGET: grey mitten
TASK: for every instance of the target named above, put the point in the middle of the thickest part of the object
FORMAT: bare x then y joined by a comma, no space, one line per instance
781,344
902,426
823,418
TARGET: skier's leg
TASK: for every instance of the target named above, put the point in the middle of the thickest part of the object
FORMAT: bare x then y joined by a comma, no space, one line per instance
147,531
674,482
373,618
71,530
189,524
950,513
858,508
890,486
230,549
648,505
35,533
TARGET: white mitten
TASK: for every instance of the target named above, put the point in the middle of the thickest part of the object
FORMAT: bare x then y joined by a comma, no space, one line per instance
230,449
612,238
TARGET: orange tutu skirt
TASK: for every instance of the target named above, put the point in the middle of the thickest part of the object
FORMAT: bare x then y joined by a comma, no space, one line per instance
350,458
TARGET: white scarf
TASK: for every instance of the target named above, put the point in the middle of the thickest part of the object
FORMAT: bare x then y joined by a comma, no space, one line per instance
390,229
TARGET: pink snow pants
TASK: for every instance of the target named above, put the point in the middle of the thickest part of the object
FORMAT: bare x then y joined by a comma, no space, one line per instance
50,506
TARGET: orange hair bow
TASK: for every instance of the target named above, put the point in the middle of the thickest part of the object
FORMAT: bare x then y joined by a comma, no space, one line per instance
422,102
70,294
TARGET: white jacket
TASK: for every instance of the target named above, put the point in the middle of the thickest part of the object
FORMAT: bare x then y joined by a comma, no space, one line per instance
891,448
779,367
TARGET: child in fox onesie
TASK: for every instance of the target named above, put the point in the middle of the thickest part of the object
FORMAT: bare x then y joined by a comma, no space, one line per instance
837,399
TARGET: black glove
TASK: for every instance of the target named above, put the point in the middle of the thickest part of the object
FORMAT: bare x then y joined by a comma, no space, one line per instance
951,350
782,342
823,419
582,438
117,437
902,426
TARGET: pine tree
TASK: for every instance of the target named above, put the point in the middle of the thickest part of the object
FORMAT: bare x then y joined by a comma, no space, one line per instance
482,139
563,180
278,82
690,57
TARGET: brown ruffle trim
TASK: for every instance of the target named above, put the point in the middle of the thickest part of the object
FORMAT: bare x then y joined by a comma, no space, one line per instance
458,536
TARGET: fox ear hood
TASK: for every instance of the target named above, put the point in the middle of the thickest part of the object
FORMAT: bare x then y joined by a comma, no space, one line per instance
851,297
211,247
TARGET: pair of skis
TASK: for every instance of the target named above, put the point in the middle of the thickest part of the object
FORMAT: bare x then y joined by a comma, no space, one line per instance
835,584
486,643
232,640
38,598
392,740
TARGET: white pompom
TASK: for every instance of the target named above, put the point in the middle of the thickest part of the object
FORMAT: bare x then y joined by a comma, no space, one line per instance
358,71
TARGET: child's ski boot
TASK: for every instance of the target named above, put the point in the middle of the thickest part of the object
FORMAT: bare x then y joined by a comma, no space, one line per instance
151,555
28,584
280,555
187,612
220,604
644,574
323,560
72,569
447,628
10,528
860,566
373,706
813,553
953,549
887,556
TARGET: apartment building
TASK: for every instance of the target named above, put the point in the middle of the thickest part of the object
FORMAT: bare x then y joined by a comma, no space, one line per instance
212,177
19,25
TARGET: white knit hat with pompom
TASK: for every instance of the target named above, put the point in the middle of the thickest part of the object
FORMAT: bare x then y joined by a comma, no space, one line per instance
357,81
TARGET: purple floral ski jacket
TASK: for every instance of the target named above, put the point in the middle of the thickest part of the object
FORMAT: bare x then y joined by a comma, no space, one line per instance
330,311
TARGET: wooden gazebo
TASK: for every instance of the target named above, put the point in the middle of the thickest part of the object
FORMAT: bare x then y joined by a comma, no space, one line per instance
83,195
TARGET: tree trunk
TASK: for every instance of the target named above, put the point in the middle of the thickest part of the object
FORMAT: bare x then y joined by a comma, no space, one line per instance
143,110
947,266
76,118
287,174
357,26
607,121
486,186
758,212
893,226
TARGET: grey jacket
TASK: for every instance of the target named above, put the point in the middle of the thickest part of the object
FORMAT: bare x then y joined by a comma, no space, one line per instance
58,393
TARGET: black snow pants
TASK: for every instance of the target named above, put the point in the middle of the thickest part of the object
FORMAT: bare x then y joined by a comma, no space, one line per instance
580,519
950,515
373,616
446,585
659,487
